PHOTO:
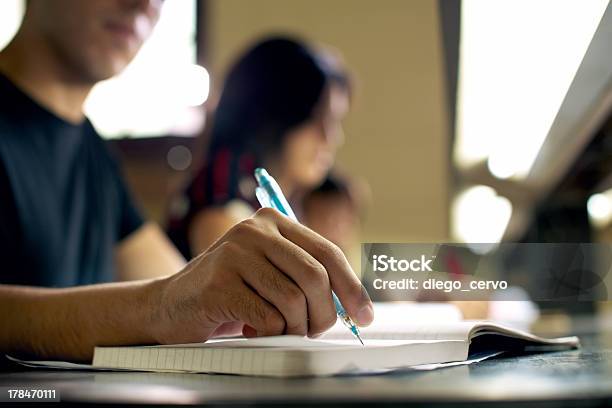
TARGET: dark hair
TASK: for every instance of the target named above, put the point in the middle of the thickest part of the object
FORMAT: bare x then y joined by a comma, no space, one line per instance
271,89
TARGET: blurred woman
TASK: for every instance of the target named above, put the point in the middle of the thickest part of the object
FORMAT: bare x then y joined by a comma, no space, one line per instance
281,108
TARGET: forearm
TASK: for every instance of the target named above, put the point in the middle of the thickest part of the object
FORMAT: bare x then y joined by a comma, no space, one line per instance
147,253
68,323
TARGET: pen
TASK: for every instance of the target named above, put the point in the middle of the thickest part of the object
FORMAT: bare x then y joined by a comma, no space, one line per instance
270,195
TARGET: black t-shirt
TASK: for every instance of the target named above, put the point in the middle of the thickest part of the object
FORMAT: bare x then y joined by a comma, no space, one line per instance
63,204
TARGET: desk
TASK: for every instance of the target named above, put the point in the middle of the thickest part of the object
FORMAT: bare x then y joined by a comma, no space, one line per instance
571,378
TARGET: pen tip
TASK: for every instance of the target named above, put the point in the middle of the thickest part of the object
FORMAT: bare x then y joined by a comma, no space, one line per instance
357,334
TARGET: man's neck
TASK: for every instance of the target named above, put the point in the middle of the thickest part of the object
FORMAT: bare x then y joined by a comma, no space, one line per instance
35,68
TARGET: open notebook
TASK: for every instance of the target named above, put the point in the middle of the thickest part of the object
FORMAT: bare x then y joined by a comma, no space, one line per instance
390,343
334,353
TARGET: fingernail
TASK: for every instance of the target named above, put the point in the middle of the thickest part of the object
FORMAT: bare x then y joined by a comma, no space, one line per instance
365,315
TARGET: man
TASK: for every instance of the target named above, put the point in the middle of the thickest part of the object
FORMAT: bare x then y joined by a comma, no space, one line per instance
67,222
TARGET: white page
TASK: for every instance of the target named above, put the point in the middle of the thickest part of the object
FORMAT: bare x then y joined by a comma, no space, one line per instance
295,342
406,330
423,321
392,320
64,365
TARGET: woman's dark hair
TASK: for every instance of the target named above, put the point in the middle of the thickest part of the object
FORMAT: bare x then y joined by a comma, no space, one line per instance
271,89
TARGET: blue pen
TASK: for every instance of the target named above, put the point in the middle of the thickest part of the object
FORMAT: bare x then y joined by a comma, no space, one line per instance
270,195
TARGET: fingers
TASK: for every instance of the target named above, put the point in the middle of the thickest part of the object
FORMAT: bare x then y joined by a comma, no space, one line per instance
281,292
228,329
311,278
251,309
285,273
343,280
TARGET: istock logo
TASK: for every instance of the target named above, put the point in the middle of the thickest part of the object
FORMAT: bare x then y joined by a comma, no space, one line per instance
384,263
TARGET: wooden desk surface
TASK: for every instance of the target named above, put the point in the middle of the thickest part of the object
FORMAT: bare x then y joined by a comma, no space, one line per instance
580,377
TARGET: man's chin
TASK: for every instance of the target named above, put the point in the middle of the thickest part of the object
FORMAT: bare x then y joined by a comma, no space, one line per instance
105,61
101,71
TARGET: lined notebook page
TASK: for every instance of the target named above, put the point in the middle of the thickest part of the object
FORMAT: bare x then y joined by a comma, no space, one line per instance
285,341
408,320
406,331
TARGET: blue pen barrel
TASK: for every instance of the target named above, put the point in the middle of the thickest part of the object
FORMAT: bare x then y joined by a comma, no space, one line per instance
274,194
270,195
339,308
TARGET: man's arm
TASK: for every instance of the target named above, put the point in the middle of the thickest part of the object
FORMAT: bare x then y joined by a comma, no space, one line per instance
267,276
68,323
147,253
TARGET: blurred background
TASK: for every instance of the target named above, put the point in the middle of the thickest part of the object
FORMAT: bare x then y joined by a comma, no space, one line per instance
471,121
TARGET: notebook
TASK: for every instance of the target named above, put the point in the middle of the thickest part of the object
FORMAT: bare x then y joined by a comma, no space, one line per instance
336,352
404,336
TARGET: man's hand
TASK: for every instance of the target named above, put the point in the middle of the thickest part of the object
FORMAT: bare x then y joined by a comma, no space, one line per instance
266,276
